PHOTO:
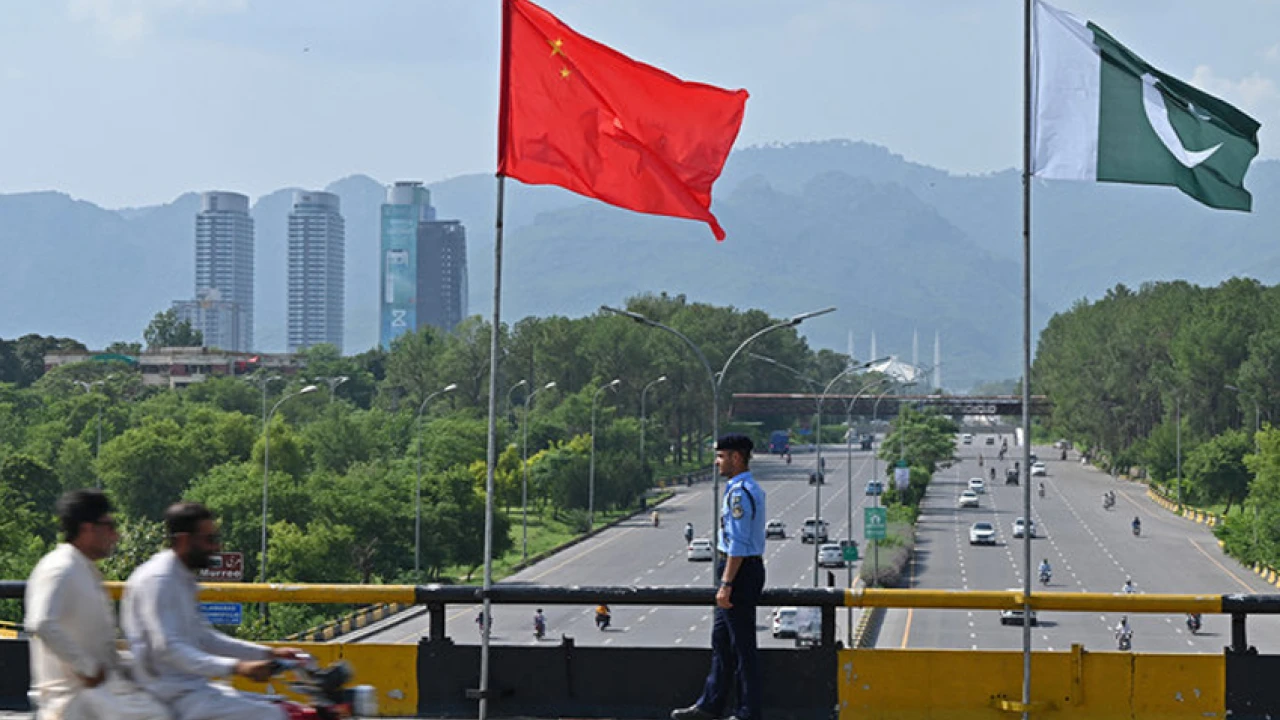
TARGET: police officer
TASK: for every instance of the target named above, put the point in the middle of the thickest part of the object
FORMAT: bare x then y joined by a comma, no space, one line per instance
740,568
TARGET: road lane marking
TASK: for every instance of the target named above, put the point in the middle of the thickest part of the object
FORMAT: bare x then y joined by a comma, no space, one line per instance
1220,565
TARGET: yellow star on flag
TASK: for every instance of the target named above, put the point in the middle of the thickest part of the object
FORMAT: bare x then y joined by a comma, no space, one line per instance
564,73
557,47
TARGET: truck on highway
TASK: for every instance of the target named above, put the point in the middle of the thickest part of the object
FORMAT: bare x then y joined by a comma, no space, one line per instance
779,442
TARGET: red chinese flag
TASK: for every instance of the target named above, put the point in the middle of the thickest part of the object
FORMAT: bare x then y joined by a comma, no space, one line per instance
583,116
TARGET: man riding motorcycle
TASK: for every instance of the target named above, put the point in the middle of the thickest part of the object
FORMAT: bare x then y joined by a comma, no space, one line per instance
1137,526
688,533
1045,571
539,624
603,616
1193,622
1128,588
1124,634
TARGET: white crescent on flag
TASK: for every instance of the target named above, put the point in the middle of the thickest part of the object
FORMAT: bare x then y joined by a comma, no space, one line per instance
1158,116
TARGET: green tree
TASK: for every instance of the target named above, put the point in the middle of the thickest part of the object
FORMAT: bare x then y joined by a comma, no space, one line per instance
148,468
166,330
319,553
33,481
1216,468
75,465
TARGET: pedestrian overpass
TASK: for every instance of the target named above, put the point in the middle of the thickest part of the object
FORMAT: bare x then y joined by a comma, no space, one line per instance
753,405
439,676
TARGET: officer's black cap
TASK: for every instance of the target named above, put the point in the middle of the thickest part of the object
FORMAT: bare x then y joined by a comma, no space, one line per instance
735,441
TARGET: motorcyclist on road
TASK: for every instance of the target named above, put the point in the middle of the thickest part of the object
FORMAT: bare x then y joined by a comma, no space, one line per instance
1128,588
654,516
1123,631
1137,525
539,623
993,473
688,533
603,616
1041,489
979,461
1193,621
1044,567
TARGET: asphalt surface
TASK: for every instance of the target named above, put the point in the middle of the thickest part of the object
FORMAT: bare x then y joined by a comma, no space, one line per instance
1090,550
637,554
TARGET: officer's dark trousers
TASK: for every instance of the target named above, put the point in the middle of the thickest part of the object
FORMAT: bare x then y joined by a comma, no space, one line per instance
735,663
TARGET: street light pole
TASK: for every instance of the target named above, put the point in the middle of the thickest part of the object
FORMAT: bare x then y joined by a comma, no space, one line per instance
266,469
524,465
333,383
591,480
821,475
643,392
417,488
716,379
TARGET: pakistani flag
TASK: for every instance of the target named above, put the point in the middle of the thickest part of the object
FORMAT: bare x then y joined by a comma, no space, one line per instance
1102,113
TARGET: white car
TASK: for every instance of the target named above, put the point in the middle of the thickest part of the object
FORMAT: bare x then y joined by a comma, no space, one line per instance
813,528
1014,617
978,485
775,528
830,555
1022,527
967,439
701,549
968,498
784,622
1038,469
982,533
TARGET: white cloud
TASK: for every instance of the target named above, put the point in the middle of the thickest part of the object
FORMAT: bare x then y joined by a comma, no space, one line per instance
1272,54
126,21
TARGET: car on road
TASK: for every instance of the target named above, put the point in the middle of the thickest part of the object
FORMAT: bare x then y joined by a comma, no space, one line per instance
967,439
1010,477
1014,617
875,487
991,440
701,549
968,498
1022,527
830,555
1038,469
775,529
982,533
784,622
813,528
978,485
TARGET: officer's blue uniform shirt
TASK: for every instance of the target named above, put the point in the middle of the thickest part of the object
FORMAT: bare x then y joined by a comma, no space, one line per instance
742,517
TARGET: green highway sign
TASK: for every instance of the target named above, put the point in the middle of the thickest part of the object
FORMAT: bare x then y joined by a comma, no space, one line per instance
874,521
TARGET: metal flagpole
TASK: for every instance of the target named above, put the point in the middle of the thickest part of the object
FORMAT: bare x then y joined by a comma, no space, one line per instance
487,624
1026,355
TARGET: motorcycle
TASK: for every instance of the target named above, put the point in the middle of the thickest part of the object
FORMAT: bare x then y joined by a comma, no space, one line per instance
1045,577
1041,489
324,697
1193,623
788,456
602,621
1124,641
1137,530
1108,502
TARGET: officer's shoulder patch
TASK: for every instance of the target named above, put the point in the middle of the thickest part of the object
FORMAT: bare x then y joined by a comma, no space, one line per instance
735,504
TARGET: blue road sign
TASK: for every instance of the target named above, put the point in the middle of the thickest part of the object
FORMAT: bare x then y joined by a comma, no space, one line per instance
222,613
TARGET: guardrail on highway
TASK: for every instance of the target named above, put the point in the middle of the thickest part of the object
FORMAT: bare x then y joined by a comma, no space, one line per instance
437,677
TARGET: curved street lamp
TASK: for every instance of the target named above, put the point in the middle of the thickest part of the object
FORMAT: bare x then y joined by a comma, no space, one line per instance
716,379
642,395
524,465
266,468
417,488
591,480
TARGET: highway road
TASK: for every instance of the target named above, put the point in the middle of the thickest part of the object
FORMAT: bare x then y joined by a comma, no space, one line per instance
1090,550
636,553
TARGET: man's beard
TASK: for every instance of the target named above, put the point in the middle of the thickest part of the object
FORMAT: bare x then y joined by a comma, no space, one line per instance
198,558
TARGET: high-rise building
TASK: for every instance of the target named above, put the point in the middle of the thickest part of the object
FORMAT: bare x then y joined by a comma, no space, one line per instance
442,274
317,250
217,320
224,264
408,203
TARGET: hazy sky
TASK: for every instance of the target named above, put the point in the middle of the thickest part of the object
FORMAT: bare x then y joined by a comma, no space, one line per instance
131,102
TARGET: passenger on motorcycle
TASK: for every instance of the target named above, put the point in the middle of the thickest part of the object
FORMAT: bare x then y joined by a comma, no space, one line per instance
176,653
539,624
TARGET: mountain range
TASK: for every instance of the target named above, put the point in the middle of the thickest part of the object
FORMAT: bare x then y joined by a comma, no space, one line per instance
898,247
